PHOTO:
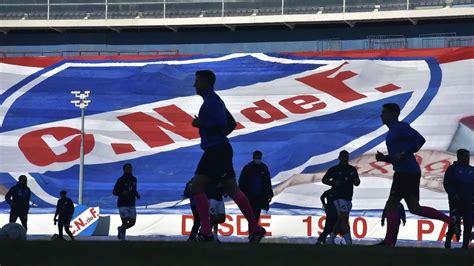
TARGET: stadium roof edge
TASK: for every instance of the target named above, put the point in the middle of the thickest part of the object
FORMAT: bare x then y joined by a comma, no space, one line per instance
233,22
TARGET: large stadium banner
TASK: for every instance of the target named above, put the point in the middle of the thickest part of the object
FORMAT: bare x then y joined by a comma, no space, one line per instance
300,109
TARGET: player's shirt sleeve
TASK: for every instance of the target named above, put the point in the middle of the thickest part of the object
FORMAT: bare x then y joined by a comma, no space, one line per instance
327,178
9,195
70,208
243,179
356,177
57,208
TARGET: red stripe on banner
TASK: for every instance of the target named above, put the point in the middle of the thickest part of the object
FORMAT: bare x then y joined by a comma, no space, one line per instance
468,121
388,88
45,61
120,148
442,55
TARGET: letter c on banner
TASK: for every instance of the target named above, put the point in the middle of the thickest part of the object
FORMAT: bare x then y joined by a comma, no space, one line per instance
39,153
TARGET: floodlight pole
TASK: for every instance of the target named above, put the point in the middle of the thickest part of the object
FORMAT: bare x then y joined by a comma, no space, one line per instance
82,103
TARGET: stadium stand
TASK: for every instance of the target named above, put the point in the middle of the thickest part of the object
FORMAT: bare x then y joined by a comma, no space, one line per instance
91,25
120,9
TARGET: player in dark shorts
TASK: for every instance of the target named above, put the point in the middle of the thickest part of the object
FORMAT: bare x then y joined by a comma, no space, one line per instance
327,199
458,183
215,123
342,178
402,142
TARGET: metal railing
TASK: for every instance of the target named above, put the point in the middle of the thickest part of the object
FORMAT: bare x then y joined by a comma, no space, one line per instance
71,53
120,9
372,42
375,42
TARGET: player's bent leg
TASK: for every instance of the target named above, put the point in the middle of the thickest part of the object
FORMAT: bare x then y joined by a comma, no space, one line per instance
13,217
196,223
220,218
60,230
66,224
202,203
230,188
345,229
24,221
449,237
131,222
467,221
336,229
199,184
427,212
328,227
393,221
340,208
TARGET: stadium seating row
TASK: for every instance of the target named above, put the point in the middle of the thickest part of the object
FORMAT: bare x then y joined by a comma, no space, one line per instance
33,10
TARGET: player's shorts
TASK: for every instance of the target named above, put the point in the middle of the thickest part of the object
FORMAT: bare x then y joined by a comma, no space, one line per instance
216,207
216,162
405,185
64,223
342,206
128,212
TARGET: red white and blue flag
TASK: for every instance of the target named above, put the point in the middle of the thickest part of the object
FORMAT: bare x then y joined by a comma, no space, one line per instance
299,109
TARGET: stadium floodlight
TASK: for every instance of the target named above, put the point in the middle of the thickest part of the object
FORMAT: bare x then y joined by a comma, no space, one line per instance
81,103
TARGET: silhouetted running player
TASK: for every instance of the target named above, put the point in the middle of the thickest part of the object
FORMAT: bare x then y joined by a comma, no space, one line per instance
63,215
215,123
342,178
126,191
402,142
458,183
327,199
18,197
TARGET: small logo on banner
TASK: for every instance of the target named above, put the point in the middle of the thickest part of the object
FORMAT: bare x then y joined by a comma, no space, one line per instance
85,220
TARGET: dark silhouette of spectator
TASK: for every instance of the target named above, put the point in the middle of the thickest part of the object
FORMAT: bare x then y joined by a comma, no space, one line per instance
458,183
255,182
18,197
